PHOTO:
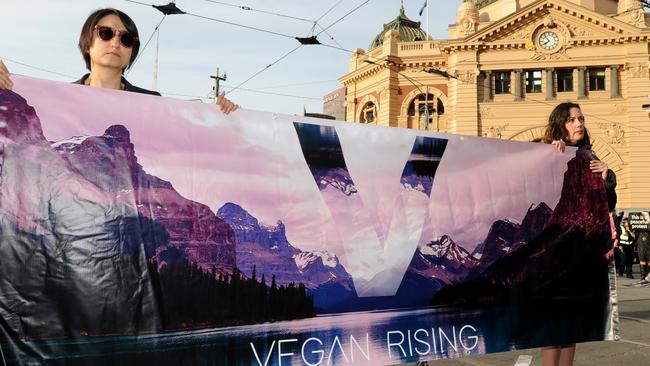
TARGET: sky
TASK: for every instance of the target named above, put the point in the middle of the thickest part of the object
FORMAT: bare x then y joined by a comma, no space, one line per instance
44,34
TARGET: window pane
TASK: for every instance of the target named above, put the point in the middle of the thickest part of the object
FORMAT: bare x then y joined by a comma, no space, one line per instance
368,113
564,80
597,79
534,81
501,82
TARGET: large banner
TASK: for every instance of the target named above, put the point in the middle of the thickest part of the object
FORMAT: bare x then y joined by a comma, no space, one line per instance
141,230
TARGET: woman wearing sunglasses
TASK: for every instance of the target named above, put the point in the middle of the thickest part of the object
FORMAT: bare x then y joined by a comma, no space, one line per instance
109,44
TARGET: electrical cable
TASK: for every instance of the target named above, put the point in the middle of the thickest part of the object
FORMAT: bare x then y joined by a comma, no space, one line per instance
329,35
140,52
335,47
185,95
244,90
330,9
248,8
272,93
296,84
241,25
343,17
37,68
264,69
226,22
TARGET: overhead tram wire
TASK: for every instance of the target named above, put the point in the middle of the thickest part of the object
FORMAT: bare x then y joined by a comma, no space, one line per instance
327,12
276,94
226,22
299,39
248,8
36,68
146,44
302,41
297,84
264,69
208,97
329,35
335,47
343,17
314,22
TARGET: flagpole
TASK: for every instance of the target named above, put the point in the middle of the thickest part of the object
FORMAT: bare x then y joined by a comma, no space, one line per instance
427,19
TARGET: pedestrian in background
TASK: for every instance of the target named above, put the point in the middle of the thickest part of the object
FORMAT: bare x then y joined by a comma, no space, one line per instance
643,247
626,245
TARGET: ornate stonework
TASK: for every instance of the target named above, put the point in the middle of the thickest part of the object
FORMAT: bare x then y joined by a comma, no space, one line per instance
486,112
466,76
579,31
467,18
520,34
495,131
613,132
539,34
637,70
619,109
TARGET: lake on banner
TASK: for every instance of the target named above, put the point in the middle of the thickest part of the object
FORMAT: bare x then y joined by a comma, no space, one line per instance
378,338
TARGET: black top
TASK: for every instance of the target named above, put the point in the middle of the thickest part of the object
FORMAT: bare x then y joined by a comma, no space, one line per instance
127,86
610,179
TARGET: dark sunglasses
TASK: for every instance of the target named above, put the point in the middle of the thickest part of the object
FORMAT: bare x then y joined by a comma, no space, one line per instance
107,33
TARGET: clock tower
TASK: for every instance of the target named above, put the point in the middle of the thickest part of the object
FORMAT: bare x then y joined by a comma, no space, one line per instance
505,65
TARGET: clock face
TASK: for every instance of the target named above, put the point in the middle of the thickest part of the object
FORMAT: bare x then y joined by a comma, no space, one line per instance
549,40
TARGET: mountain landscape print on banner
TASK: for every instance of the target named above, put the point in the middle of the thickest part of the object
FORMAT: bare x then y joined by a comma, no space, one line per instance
174,258
165,232
441,262
551,255
231,239
266,250
377,253
65,241
109,161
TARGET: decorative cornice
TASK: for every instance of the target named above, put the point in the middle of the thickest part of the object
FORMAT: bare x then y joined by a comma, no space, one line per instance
623,32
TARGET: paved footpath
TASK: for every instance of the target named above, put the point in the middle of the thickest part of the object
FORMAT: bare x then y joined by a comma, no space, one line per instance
632,350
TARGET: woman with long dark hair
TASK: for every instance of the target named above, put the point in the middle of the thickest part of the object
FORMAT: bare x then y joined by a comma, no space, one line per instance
566,127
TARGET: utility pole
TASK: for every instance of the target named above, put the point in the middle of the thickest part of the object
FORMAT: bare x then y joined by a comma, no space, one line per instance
154,84
217,79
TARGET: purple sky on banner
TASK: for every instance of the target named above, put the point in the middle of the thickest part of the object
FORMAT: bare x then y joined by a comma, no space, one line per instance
254,159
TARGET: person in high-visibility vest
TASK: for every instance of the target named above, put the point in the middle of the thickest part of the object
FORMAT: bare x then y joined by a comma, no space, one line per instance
626,242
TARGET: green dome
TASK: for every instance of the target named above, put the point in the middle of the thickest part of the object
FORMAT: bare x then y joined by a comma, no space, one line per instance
482,3
409,31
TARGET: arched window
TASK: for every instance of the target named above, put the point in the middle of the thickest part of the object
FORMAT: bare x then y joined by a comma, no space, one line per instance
419,105
368,113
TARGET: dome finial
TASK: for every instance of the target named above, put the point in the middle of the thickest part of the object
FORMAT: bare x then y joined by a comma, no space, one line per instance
401,10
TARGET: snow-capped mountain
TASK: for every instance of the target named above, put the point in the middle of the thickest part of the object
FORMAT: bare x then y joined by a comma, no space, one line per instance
267,249
337,178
